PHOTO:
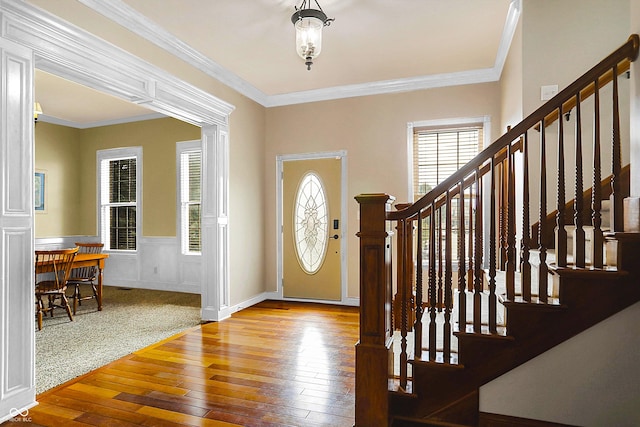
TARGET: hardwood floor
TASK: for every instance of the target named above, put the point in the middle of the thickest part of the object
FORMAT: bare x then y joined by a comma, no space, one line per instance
273,364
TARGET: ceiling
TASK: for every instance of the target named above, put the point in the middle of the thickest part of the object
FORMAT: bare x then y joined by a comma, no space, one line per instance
374,46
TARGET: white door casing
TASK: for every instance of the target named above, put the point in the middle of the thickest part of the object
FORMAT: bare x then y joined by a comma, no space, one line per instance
32,38
342,155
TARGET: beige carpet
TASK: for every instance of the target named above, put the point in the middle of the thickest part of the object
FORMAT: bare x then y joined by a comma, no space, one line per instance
130,319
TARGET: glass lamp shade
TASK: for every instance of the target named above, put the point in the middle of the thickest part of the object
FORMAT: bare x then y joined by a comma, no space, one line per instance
309,37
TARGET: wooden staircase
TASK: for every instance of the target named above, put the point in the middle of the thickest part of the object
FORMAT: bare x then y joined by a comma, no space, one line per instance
471,302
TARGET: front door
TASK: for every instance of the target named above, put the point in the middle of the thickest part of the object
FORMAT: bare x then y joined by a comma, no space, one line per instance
311,195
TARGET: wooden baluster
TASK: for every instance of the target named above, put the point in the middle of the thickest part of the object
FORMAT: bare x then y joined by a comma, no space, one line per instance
492,250
462,296
525,265
616,197
447,283
503,197
597,242
417,325
510,264
561,233
440,265
542,247
477,283
403,297
470,267
578,232
432,282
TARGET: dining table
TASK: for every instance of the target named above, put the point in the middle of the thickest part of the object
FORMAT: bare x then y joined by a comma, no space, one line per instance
86,260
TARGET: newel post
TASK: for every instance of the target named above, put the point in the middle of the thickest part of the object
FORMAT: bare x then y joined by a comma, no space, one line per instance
373,351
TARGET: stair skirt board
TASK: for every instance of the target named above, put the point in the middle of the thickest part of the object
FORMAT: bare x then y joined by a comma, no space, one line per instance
497,420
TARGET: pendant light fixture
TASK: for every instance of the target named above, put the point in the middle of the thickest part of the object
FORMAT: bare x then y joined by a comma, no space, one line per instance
309,23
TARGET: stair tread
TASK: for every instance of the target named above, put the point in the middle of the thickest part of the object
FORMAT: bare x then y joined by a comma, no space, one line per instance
469,332
394,387
439,360
535,301
588,271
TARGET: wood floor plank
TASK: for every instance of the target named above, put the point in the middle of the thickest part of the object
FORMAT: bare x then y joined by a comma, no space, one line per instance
274,364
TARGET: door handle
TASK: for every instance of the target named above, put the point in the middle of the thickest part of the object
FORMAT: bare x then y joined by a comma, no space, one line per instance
335,236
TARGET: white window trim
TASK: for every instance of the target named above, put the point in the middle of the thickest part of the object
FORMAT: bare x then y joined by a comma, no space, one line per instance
457,121
182,147
114,154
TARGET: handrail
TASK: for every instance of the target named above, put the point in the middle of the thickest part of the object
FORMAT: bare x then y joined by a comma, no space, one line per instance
628,51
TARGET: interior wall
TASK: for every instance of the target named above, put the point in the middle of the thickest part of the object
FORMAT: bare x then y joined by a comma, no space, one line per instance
373,131
158,141
589,380
57,154
560,42
511,83
68,155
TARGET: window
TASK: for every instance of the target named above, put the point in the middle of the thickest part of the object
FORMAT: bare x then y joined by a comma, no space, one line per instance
310,217
439,148
439,152
120,188
189,182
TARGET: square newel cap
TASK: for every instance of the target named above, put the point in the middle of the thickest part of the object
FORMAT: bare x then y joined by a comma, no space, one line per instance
374,198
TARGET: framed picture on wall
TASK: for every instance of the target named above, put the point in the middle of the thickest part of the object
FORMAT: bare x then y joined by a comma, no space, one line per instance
40,191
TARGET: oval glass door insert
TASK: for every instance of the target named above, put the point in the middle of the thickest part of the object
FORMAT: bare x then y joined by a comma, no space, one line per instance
310,223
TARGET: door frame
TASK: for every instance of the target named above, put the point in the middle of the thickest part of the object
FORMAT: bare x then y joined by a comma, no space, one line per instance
280,159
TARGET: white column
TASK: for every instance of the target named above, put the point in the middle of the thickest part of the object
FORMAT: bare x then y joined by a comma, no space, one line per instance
214,223
17,339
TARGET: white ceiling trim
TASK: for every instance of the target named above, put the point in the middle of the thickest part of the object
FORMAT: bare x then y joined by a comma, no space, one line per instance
386,86
56,121
128,17
67,51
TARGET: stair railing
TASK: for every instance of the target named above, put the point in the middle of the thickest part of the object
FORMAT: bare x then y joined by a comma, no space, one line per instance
463,233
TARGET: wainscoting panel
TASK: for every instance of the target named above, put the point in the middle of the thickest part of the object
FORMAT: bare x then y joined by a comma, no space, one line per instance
157,264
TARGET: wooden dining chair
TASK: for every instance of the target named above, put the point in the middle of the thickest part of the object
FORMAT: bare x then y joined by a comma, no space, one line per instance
52,270
84,275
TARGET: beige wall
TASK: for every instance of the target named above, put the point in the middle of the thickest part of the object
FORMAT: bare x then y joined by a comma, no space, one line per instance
57,153
511,83
373,131
69,156
560,42
158,141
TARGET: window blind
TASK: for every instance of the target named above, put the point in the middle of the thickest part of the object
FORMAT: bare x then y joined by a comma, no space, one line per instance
438,153
190,178
118,202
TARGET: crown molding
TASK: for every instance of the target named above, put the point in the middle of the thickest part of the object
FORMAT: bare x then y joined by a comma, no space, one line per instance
126,16
56,121
70,52
123,14
384,87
